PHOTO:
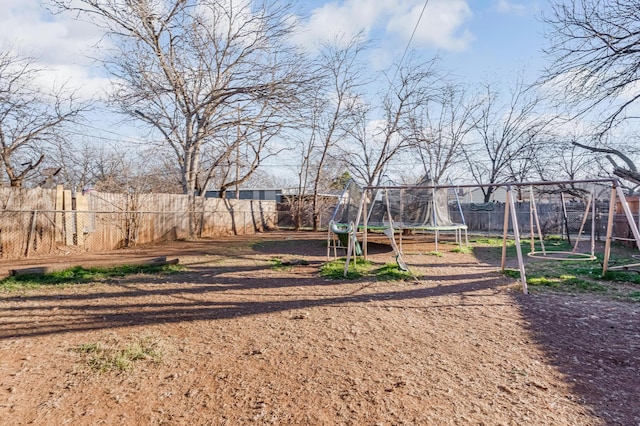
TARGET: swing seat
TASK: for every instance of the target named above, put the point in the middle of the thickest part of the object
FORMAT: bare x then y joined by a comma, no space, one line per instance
342,231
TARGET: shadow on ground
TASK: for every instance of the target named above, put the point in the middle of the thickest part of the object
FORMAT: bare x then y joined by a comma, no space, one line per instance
593,342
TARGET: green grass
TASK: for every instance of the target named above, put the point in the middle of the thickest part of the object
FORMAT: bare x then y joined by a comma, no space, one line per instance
114,355
488,241
79,275
623,277
277,264
335,269
391,272
580,276
463,250
571,275
388,272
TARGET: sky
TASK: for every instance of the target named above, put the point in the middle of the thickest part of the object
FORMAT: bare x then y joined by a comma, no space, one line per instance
478,40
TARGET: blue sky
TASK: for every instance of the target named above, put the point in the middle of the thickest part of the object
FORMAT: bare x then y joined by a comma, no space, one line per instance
477,39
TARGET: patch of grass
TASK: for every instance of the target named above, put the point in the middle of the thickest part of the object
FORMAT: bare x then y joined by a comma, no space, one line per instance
435,253
389,272
392,272
513,273
462,249
623,276
571,275
553,243
569,283
79,275
120,357
277,264
577,276
335,269
488,241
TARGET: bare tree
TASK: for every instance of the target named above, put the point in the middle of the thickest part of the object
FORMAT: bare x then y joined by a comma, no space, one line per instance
330,107
440,128
236,155
191,70
375,142
629,173
106,166
508,135
561,160
76,162
595,51
30,118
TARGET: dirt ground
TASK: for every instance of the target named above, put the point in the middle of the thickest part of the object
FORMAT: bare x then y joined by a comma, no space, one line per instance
246,343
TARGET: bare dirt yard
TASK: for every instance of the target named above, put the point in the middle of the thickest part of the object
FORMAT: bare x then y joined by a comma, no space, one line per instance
240,341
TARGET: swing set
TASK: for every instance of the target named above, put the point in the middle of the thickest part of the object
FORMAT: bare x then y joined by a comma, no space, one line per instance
361,224
616,193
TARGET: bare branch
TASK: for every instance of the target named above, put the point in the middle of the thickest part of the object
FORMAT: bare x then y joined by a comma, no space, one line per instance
29,119
193,71
595,51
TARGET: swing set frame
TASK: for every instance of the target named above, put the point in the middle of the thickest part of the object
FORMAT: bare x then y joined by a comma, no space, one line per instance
616,192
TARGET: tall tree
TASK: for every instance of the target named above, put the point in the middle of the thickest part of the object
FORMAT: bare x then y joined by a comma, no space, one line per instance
440,128
595,51
330,108
31,117
192,69
507,135
561,160
375,140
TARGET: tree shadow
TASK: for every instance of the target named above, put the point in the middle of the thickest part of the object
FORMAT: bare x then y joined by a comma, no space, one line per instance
595,344
137,302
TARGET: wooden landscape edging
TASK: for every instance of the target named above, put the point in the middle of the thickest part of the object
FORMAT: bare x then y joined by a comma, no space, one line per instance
41,270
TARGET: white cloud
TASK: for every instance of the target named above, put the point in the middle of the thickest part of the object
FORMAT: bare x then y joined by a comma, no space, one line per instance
335,19
76,79
506,6
60,45
441,26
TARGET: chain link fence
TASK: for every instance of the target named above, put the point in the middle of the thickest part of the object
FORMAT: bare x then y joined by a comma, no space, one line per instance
488,219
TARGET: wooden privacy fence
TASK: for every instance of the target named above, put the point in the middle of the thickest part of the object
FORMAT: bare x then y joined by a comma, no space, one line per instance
55,221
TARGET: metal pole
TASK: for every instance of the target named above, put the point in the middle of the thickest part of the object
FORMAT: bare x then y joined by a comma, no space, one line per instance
365,237
565,217
537,217
516,234
593,223
584,220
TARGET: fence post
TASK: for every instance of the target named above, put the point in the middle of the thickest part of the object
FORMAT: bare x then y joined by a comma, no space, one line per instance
32,230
